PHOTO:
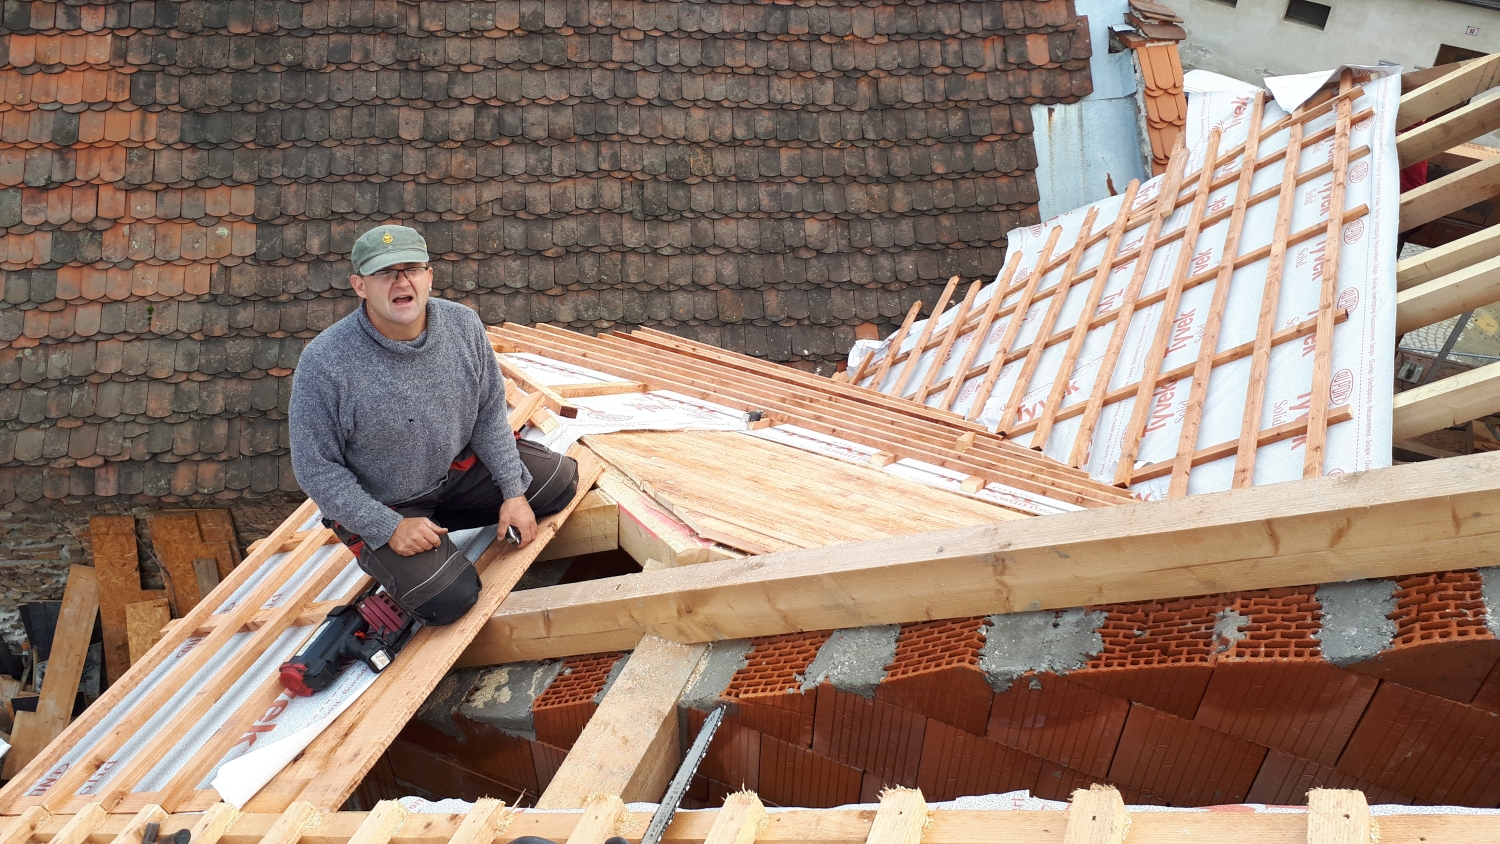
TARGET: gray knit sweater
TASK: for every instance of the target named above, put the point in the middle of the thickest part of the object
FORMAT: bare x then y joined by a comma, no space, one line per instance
376,421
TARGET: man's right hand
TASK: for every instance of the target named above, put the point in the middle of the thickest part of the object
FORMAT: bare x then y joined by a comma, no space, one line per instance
413,536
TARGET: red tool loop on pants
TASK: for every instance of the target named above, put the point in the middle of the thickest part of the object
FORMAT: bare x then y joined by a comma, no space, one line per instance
465,464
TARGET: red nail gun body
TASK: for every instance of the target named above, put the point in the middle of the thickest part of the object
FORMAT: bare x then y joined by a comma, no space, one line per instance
371,629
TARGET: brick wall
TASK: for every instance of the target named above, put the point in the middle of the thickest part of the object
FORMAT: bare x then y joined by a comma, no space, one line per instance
180,184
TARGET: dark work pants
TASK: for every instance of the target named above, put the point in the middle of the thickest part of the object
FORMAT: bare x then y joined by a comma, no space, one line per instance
439,586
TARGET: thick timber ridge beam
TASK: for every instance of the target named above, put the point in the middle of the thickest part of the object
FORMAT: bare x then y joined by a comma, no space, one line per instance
1423,517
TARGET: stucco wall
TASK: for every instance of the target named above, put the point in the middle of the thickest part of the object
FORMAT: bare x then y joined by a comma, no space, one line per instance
1250,40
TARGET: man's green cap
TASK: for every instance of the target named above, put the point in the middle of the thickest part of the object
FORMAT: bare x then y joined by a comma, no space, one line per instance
383,246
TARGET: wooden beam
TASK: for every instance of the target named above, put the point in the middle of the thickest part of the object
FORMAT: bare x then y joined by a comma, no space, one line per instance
1422,517
70,647
593,527
21,828
1097,816
601,816
1448,258
1452,192
808,826
210,826
598,388
382,823
901,819
1442,404
1457,86
1453,128
1336,816
1450,295
630,744
134,832
481,823
650,535
739,821
80,826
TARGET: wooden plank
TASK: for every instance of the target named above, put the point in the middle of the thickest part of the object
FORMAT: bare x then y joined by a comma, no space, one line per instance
1449,258
1140,409
896,430
1267,436
914,357
209,827
593,527
1012,328
217,527
1452,192
70,647
601,819
144,622
1411,519
1059,295
1084,439
598,388
1080,330
739,820
1458,85
1465,124
359,736
1338,816
981,330
1097,816
206,574
833,826
81,825
630,745
175,538
381,824
1447,296
12,798
550,399
1314,451
1442,404
892,348
117,565
134,832
1208,346
648,533
1260,359
298,820
21,828
955,328
484,820
901,819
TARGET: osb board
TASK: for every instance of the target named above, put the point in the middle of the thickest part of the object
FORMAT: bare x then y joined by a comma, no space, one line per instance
181,536
763,496
117,562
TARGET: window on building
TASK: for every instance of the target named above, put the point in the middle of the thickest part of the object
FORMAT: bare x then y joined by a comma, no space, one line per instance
1308,12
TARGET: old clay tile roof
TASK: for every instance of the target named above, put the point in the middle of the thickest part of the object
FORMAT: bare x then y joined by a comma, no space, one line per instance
181,182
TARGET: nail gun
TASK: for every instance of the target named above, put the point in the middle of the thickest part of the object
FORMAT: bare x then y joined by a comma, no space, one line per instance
371,629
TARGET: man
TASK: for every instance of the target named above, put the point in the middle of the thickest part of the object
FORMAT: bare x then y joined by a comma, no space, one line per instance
399,433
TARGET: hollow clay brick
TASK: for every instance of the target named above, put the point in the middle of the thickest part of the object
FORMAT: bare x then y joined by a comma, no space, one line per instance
1182,763
872,735
767,692
956,763
1432,748
1072,725
547,759
1284,780
936,673
1305,707
1158,653
734,755
560,713
1442,644
794,776
1272,624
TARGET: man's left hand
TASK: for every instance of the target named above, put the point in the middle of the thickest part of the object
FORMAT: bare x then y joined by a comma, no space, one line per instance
516,512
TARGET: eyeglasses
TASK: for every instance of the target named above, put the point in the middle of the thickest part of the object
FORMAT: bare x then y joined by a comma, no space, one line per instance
415,274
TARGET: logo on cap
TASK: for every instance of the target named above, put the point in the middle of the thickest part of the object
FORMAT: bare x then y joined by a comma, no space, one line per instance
386,239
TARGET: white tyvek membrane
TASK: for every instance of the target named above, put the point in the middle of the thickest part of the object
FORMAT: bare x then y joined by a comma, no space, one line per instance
265,666
159,719
1360,368
310,567
271,564
661,410
553,373
824,444
112,718
292,723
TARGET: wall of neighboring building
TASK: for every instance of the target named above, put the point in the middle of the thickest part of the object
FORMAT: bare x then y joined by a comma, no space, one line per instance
1250,39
